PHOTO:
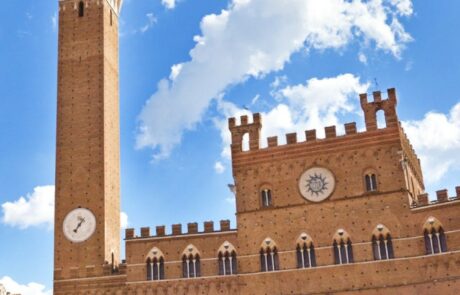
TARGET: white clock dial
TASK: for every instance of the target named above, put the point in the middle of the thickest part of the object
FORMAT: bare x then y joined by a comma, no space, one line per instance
316,184
79,225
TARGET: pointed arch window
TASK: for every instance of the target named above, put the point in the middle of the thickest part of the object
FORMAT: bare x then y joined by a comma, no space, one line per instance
266,197
191,267
155,265
305,252
382,245
81,9
434,236
227,260
342,248
269,260
371,182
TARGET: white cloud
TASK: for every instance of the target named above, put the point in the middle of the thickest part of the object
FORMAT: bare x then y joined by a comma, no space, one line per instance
29,289
169,4
404,6
151,20
436,139
54,21
362,58
175,71
252,38
35,209
313,105
123,220
219,167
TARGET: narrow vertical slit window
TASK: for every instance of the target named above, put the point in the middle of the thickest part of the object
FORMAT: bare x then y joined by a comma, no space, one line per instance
371,182
266,196
81,9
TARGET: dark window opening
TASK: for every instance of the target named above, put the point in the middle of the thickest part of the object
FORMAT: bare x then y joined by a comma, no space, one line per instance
343,252
305,256
435,241
371,182
191,266
266,198
81,9
227,264
269,260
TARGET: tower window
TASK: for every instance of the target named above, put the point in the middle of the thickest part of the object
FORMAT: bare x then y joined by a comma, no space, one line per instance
111,17
81,9
266,195
305,252
342,247
382,246
371,182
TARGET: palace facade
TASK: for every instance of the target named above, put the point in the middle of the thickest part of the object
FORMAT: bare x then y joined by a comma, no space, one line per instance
343,214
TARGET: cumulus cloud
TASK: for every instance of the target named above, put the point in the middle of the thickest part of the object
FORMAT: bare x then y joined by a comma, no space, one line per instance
30,289
37,209
169,4
436,138
313,105
219,167
123,220
252,38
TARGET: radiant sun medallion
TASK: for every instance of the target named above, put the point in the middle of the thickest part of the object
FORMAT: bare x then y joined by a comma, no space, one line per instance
316,184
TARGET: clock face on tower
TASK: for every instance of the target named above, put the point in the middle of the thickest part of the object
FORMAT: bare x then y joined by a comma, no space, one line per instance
79,225
316,184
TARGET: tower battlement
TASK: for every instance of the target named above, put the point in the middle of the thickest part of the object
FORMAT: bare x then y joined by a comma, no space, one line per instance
370,109
73,4
176,230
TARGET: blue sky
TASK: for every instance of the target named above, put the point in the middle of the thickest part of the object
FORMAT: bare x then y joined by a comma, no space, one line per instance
187,65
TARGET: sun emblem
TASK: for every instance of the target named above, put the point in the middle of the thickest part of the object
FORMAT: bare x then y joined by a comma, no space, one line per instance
316,184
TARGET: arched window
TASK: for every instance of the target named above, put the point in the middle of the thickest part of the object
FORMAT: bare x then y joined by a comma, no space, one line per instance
382,246
371,182
245,142
155,265
81,9
266,197
305,252
342,247
435,239
191,267
227,260
381,120
269,260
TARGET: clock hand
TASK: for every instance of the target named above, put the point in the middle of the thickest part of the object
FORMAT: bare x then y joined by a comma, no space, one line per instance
79,225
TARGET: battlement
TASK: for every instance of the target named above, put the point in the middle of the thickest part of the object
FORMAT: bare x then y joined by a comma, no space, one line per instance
176,230
442,197
370,109
114,4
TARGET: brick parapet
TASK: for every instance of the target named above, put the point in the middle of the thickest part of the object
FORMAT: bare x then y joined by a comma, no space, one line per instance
176,230
442,196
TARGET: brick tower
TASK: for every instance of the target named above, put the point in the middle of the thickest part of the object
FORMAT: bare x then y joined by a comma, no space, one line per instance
87,214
